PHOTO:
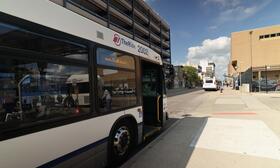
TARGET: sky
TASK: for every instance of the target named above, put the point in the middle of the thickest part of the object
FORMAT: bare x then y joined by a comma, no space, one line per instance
200,29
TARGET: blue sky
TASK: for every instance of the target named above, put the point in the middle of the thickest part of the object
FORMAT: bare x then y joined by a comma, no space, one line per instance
200,29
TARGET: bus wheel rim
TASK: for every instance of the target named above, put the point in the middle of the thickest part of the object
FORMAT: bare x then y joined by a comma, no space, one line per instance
121,141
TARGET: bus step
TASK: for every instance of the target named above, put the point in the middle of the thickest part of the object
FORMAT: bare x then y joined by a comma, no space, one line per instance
150,130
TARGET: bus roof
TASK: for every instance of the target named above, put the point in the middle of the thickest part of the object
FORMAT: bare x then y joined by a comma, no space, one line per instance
54,16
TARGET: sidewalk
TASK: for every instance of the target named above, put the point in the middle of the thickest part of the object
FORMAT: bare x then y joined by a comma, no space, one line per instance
229,130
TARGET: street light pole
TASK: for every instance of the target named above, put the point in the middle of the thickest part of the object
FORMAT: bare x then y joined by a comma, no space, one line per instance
266,79
251,47
240,80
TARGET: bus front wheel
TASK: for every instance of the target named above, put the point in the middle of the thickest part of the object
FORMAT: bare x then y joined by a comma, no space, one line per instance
121,143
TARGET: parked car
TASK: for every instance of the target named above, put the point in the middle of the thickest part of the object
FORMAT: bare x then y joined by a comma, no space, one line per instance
261,85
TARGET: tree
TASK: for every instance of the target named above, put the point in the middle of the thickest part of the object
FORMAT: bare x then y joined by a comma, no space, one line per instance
191,76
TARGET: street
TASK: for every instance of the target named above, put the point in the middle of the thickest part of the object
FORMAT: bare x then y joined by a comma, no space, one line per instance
216,130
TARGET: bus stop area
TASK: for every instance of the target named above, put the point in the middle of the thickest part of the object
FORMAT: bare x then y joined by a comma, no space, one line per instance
216,130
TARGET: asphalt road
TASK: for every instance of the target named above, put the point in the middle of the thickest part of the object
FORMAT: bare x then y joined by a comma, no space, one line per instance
180,105
180,91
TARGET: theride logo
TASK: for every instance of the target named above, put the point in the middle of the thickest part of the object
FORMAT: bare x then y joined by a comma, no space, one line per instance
122,41
117,40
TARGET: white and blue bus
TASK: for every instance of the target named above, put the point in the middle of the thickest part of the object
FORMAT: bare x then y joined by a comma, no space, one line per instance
72,92
210,83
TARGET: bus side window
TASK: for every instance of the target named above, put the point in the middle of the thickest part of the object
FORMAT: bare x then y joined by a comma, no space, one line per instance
116,84
116,89
32,91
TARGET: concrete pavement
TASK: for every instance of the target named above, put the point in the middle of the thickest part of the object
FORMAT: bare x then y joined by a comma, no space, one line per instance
222,130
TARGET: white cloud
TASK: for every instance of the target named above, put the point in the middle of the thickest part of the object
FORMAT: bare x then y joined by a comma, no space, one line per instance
216,50
149,0
241,12
223,3
213,27
237,10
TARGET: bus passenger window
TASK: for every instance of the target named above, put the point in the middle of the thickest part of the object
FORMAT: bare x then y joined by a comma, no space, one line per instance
32,91
116,86
116,89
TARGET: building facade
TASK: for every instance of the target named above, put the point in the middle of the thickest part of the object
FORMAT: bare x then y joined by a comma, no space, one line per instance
179,77
210,70
207,69
255,57
132,18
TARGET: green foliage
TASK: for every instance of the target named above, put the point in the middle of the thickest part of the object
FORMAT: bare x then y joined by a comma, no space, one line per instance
191,76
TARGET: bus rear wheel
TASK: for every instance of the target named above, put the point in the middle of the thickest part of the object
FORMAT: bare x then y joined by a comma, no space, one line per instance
121,143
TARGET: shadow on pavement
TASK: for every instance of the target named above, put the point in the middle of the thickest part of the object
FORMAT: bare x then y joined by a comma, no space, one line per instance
186,134
173,148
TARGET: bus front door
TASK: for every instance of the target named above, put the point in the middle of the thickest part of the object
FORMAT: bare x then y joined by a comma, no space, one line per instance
152,98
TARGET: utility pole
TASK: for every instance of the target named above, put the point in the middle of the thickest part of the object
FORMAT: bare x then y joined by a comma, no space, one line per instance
266,79
251,49
240,84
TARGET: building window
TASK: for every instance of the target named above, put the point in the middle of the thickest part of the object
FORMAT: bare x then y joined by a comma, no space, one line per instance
35,91
274,35
266,36
116,77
